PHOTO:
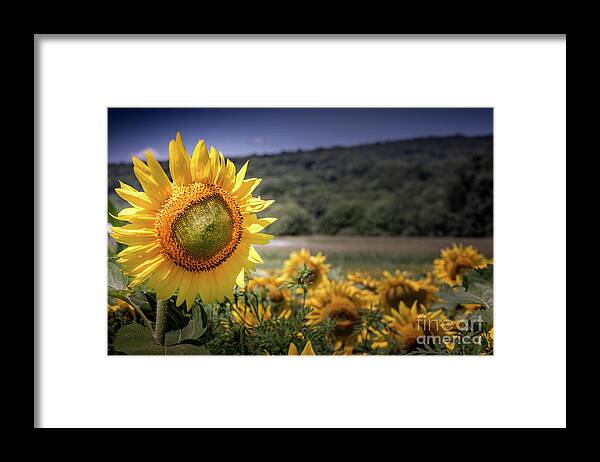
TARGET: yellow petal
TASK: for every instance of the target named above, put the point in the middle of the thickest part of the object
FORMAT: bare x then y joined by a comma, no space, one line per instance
260,238
226,282
135,239
213,165
158,173
218,283
222,170
240,177
246,188
192,291
210,287
184,285
137,163
227,179
254,256
240,279
293,351
199,159
179,162
261,224
166,289
141,249
256,205
135,198
308,350
203,288
155,193
180,145
136,215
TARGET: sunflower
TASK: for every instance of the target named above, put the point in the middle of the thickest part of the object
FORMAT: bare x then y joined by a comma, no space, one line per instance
398,287
454,261
341,302
363,281
195,235
314,263
307,351
274,286
407,326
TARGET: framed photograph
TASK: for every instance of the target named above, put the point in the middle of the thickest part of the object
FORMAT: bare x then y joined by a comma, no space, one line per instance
387,209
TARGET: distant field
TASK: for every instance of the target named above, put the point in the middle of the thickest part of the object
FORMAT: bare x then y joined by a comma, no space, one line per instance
372,254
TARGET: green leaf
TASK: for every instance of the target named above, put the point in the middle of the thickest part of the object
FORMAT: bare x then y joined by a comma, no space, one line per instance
477,289
134,339
145,301
480,283
182,328
450,299
117,281
482,276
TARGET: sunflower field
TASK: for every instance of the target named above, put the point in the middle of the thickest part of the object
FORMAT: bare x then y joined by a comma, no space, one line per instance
185,278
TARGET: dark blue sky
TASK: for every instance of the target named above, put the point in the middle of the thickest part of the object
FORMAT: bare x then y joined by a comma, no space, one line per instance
239,132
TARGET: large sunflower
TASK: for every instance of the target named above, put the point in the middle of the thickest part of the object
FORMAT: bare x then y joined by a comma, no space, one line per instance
341,302
407,325
314,263
195,235
398,287
454,261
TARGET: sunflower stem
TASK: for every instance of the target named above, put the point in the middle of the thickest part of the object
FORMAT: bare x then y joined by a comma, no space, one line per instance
303,297
161,321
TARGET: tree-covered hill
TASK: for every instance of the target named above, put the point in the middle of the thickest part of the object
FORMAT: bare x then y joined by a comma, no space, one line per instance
439,186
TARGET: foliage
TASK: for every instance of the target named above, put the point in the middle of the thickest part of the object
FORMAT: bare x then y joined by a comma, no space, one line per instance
292,220
422,187
134,339
269,337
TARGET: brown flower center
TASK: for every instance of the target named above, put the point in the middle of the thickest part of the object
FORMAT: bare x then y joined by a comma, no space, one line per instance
199,227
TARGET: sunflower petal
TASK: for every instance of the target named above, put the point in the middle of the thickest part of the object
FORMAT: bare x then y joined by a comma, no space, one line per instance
240,280
179,162
135,198
261,224
199,160
260,238
203,288
308,350
158,174
191,291
254,256
154,192
292,350
239,178
184,285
